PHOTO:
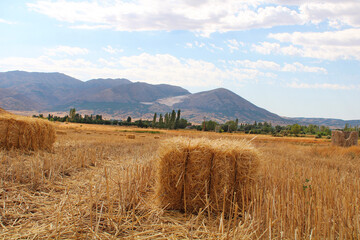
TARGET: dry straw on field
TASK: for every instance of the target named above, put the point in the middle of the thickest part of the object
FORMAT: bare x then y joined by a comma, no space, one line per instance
344,139
130,136
25,133
195,174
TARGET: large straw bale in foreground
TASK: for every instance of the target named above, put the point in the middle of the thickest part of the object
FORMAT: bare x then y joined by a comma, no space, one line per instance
25,133
199,173
344,139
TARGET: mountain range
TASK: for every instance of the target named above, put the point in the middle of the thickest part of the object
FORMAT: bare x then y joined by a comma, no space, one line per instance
119,98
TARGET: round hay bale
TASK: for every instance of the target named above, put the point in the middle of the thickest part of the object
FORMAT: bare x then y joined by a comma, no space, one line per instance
26,133
156,137
130,136
199,173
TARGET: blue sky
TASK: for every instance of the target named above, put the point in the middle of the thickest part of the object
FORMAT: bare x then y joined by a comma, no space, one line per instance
296,58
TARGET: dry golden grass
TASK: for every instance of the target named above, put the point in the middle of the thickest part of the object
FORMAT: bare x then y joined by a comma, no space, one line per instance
100,186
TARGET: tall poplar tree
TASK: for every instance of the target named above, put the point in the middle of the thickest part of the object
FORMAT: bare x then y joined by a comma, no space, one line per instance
154,120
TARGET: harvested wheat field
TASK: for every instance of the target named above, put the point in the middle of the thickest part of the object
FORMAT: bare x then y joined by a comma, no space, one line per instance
103,186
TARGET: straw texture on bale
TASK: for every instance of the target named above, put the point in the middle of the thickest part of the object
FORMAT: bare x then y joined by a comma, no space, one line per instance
344,139
200,173
130,136
25,133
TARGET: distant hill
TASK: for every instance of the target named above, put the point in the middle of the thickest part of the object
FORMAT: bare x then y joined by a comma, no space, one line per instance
41,90
119,98
222,104
331,122
19,79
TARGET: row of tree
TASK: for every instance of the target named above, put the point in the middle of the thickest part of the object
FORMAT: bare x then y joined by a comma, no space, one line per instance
173,120
170,121
264,128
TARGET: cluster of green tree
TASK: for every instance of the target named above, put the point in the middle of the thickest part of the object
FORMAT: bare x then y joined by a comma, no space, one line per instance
264,128
89,119
349,128
170,121
77,118
210,125
301,130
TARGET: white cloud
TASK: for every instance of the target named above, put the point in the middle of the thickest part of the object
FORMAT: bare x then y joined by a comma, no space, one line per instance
6,21
234,45
273,66
344,44
66,50
323,86
348,37
189,45
159,68
215,47
205,17
335,12
199,44
259,64
298,67
185,72
266,48
208,46
112,50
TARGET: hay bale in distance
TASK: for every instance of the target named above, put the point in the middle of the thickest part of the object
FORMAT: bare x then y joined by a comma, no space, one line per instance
351,139
337,138
199,173
25,133
130,136
344,139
